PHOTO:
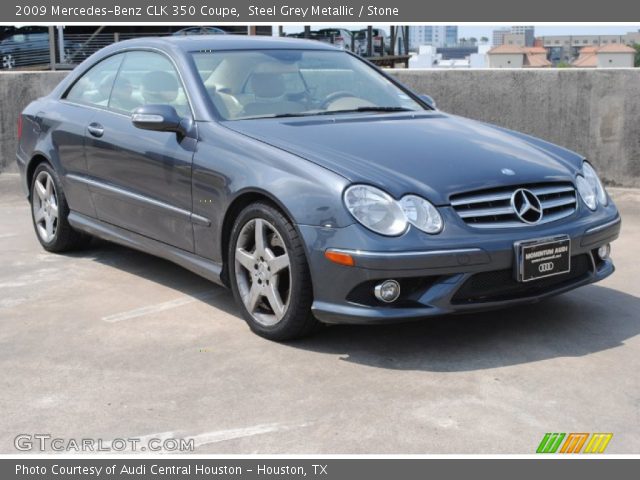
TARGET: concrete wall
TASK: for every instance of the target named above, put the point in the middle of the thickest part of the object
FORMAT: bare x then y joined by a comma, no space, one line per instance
595,112
17,90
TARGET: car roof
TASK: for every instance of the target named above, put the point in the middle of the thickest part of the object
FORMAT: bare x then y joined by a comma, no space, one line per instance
226,42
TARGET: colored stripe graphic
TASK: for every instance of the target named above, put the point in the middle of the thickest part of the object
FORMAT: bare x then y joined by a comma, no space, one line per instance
598,442
574,443
550,442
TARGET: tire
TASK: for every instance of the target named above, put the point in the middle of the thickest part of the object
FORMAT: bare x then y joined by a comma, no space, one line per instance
50,212
275,299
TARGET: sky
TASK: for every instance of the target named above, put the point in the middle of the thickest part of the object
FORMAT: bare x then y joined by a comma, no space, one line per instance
466,31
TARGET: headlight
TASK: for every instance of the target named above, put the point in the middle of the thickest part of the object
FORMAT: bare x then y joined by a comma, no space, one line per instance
379,212
421,214
375,209
592,177
590,187
587,192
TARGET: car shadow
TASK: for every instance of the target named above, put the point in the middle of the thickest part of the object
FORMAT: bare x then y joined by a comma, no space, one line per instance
159,271
584,321
587,320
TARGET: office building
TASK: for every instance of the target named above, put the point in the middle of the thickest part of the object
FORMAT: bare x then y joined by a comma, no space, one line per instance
435,35
521,35
527,32
498,36
566,48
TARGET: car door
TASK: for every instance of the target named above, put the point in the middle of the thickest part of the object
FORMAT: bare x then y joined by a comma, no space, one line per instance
68,125
141,179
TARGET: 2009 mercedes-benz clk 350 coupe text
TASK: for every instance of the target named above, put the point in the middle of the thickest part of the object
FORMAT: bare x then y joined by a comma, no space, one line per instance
315,186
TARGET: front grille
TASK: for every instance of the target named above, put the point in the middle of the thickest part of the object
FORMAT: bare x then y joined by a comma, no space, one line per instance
500,285
493,209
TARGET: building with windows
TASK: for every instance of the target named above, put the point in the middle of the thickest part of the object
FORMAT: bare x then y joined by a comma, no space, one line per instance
612,55
434,35
498,36
566,48
526,32
515,56
515,39
443,57
522,35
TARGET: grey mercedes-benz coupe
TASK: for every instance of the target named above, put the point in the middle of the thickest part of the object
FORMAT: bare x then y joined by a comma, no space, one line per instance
315,186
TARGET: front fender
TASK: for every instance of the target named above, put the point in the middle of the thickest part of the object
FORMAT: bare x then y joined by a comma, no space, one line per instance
228,165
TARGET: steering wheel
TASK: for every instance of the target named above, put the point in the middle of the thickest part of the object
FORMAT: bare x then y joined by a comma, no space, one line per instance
332,97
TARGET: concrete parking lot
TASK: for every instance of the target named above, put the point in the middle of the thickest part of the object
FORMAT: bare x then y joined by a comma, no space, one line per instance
112,343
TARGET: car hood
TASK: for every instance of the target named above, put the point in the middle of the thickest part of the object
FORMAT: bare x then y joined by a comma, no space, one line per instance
432,154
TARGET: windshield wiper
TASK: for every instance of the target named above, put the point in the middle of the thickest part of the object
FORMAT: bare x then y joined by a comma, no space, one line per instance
380,109
332,112
366,109
281,115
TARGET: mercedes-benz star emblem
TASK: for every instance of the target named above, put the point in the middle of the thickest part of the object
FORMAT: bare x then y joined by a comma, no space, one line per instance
526,206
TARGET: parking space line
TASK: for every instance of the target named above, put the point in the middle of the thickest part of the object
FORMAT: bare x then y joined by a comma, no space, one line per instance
224,435
160,307
209,437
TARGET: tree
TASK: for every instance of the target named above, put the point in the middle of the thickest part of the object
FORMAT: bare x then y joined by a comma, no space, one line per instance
473,40
484,40
637,60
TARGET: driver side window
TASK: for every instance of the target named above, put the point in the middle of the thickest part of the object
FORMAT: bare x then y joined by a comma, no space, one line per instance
94,87
148,78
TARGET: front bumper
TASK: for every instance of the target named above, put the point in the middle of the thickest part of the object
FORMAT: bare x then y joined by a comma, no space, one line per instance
461,271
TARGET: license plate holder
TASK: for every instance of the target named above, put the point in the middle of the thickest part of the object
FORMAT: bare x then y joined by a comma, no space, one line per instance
542,258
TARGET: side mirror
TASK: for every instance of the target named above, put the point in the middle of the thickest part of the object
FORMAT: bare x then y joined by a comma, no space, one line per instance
161,118
429,101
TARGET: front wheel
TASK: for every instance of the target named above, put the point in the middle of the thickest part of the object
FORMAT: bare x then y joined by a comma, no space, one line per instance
269,274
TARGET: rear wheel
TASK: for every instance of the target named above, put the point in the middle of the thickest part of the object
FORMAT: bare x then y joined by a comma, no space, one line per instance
269,274
49,212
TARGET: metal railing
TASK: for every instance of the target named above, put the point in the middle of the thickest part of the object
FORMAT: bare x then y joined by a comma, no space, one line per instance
24,50
42,50
59,49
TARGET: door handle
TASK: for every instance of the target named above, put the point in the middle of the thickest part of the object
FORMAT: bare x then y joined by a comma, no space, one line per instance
96,129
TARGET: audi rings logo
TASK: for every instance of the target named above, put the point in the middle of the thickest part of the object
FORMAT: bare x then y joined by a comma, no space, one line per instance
545,267
526,206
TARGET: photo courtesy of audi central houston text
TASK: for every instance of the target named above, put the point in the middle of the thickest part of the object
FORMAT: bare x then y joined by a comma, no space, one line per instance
311,183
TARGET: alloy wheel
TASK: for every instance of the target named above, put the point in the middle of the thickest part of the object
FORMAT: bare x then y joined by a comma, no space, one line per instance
263,271
8,61
44,202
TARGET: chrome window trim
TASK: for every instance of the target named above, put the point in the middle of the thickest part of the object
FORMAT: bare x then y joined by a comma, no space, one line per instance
94,107
124,51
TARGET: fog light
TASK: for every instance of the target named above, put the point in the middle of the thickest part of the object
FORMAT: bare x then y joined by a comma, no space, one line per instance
604,251
387,291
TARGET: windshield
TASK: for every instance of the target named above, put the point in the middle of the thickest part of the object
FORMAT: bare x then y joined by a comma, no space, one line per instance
275,83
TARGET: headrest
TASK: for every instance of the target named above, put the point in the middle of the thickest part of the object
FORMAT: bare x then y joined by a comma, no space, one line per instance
159,81
267,85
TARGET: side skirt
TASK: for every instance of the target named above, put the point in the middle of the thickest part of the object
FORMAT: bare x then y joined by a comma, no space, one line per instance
198,265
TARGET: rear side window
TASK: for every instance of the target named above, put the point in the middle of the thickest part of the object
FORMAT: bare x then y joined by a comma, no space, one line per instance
94,87
148,78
